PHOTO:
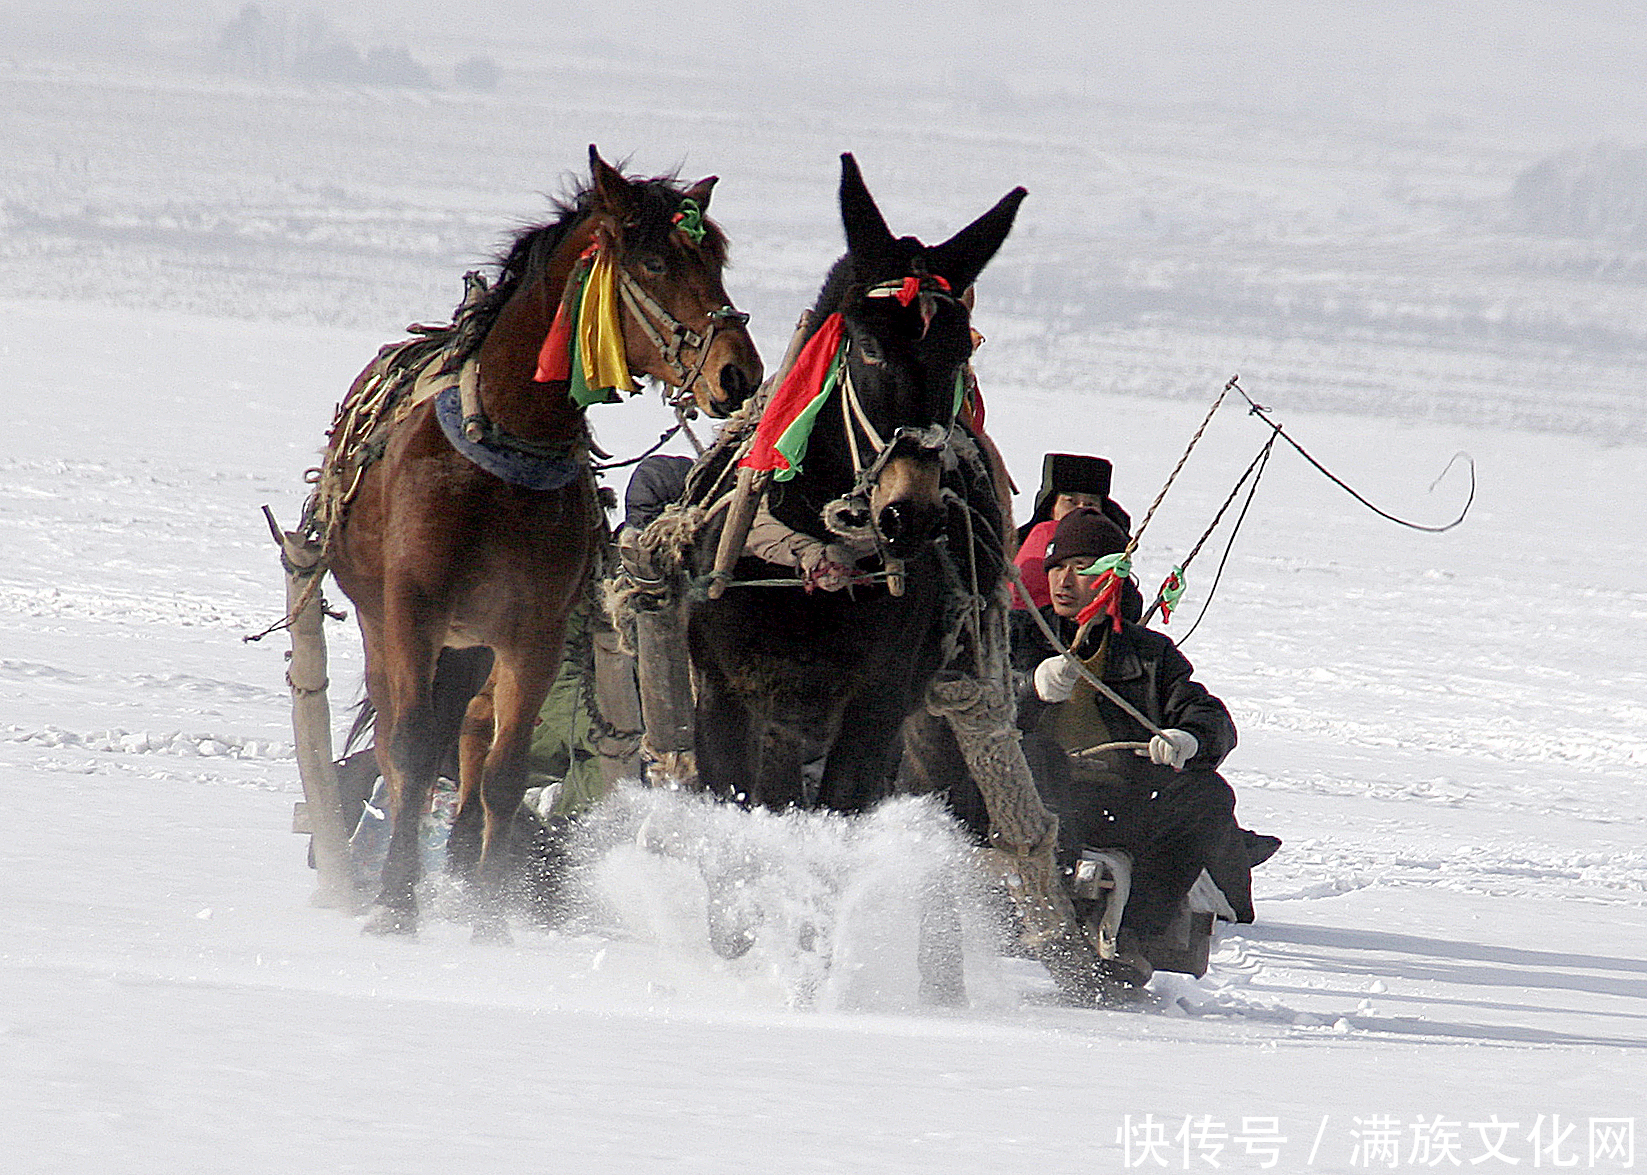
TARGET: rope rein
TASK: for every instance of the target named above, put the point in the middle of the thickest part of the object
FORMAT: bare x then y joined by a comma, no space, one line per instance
1218,576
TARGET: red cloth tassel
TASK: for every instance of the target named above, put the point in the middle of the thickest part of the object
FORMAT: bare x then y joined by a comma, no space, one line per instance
1107,600
911,289
555,356
796,392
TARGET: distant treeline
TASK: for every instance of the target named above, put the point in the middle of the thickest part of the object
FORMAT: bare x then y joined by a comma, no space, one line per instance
1596,193
263,42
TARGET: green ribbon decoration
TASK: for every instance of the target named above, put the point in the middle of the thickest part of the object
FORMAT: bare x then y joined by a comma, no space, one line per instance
1118,563
690,220
1171,592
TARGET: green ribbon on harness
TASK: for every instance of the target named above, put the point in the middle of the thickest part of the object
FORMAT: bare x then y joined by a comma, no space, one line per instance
690,220
1172,590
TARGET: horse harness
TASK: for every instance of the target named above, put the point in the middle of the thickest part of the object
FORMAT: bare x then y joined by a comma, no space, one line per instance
850,516
654,318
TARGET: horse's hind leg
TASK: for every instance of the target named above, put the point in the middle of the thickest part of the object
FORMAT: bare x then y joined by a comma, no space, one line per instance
410,757
474,743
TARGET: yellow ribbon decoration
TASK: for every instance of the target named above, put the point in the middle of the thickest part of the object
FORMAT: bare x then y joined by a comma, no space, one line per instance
600,335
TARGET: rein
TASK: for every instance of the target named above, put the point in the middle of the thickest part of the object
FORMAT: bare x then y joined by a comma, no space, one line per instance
699,589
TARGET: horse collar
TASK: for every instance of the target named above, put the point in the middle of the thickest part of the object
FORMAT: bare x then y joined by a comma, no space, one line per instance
510,458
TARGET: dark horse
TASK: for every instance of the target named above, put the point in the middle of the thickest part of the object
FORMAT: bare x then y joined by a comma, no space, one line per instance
438,553
787,677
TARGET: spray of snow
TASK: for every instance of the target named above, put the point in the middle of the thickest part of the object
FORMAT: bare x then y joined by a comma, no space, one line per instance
831,908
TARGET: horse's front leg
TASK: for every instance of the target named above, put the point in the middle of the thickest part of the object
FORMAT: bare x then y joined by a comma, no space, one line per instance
409,753
864,756
720,736
520,683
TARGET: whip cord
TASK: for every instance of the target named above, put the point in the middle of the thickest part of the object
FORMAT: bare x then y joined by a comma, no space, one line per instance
1258,410
1138,533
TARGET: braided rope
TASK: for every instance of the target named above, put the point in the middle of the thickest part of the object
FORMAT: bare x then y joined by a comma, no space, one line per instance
1138,532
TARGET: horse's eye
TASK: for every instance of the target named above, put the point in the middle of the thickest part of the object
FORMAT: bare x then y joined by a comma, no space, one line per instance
870,350
652,265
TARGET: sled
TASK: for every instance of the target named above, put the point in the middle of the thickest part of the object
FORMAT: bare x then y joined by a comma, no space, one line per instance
1100,886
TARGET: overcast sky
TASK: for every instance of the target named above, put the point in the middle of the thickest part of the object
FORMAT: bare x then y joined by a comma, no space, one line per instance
1541,63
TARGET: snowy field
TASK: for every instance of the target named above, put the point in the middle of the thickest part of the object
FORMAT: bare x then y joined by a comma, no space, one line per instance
1448,731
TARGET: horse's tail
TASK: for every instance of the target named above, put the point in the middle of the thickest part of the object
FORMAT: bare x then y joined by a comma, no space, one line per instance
365,720
459,675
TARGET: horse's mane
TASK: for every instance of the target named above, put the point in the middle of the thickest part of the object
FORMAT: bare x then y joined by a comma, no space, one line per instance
832,294
529,250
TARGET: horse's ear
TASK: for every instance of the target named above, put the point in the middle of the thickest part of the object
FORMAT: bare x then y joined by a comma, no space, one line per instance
612,191
962,258
701,191
867,238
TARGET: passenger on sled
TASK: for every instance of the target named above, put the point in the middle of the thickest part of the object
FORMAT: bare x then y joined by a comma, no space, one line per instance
1168,810
1069,481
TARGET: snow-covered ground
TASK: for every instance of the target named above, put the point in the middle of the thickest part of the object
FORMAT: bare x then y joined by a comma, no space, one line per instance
1449,731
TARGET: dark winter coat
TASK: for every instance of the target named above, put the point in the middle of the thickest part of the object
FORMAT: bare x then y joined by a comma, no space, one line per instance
1145,668
1174,823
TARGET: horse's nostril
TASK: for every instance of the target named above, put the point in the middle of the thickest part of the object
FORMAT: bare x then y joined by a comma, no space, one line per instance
735,383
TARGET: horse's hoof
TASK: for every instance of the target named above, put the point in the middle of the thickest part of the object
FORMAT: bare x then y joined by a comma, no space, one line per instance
493,932
732,929
731,942
387,922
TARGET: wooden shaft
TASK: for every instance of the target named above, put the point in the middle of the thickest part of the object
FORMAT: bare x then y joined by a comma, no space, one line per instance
312,726
740,515
751,485
793,351
474,417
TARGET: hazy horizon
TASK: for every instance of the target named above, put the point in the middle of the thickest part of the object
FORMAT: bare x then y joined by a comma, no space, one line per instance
1569,69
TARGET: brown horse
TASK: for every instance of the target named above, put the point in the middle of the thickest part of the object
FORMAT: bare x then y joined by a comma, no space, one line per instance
439,553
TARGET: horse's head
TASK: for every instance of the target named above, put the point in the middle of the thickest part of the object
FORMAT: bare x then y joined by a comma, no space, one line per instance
679,325
909,339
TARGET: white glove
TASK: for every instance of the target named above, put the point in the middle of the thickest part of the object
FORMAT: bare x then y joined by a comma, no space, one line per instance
1173,748
1055,679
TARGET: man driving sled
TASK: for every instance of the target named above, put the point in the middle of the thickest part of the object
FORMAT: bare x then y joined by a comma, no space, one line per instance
1168,808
